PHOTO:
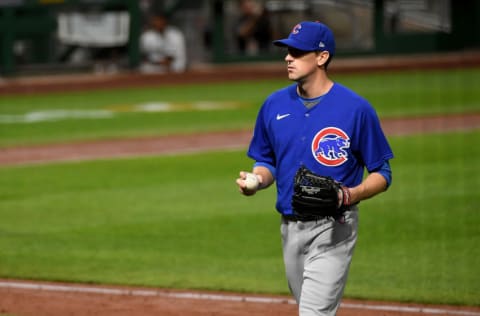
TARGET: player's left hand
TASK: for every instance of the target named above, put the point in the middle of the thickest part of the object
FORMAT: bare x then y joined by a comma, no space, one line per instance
316,195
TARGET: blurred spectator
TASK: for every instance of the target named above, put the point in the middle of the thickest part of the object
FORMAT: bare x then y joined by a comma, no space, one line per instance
392,16
253,29
162,46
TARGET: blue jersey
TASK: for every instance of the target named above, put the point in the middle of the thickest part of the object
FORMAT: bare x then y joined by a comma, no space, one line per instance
339,137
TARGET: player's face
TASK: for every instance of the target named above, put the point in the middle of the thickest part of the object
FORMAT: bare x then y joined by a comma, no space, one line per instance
159,23
301,64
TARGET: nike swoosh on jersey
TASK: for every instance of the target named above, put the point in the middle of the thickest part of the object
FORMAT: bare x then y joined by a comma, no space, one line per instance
279,117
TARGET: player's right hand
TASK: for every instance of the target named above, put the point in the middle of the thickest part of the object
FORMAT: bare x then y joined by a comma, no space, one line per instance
242,184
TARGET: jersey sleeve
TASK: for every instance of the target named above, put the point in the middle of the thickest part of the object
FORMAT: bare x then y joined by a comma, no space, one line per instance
261,149
375,149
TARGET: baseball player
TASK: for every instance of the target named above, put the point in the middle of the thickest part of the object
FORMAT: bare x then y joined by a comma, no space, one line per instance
322,126
162,46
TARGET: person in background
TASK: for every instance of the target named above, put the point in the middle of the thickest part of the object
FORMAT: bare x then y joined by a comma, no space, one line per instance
253,30
162,47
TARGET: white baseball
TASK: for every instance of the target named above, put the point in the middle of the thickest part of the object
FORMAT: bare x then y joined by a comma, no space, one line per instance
251,182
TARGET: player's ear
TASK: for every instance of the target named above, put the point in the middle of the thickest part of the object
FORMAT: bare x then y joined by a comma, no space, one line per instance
322,58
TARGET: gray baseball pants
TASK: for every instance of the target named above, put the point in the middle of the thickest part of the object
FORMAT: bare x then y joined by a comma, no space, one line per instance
317,256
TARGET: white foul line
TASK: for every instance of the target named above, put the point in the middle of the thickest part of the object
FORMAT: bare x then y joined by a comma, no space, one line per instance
219,297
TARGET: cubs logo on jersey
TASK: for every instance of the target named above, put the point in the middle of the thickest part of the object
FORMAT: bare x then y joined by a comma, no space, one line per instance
329,146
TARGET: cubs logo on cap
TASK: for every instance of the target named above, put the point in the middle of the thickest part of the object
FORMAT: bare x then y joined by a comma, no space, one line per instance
309,36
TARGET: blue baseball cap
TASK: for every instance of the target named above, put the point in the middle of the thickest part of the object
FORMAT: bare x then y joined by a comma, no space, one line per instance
309,36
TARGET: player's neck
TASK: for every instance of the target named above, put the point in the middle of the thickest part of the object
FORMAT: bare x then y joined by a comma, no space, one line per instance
314,88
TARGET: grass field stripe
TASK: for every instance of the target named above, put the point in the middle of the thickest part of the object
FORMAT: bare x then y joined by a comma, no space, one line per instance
219,297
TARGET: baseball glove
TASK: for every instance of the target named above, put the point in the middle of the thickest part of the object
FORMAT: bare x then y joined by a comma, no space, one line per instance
318,196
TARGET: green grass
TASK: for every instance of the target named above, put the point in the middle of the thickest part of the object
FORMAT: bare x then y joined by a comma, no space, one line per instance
130,123
393,94
421,92
419,241
173,222
179,222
